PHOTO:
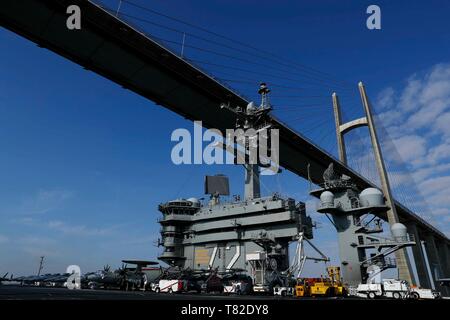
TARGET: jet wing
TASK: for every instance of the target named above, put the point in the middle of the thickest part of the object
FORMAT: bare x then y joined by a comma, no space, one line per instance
140,263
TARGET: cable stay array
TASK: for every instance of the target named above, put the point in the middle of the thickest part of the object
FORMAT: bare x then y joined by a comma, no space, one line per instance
301,94
402,180
360,157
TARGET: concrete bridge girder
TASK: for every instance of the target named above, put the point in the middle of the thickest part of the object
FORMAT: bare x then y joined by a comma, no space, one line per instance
419,257
435,262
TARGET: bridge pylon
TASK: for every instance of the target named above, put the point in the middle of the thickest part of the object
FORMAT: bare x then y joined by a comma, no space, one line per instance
402,260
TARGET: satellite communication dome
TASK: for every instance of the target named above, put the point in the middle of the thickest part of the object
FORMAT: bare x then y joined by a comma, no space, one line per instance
327,199
371,197
399,231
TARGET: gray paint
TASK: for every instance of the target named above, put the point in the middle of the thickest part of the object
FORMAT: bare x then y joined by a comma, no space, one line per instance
347,207
191,237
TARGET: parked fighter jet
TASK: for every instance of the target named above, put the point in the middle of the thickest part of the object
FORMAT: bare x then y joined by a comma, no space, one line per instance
142,275
124,278
103,279
4,278
33,280
57,280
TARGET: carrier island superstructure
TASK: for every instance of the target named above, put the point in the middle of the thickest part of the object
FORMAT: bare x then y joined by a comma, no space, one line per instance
251,235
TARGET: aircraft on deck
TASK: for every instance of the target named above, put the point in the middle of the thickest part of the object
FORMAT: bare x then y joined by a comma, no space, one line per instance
125,278
5,279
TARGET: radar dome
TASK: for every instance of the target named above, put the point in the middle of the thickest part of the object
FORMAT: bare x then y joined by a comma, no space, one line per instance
398,231
195,202
327,199
251,107
371,197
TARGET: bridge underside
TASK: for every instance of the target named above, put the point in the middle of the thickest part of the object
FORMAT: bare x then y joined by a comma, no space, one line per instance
117,51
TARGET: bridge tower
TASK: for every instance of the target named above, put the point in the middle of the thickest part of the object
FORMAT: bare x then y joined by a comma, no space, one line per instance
402,260
41,265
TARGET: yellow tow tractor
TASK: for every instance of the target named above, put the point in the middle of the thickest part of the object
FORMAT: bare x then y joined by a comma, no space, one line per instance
322,287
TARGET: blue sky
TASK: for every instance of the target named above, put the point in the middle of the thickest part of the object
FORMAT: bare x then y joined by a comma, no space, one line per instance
85,163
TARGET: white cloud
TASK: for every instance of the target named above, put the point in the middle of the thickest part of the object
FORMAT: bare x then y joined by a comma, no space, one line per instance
434,185
68,228
430,97
419,124
410,147
409,96
390,117
78,230
386,98
439,153
45,201
37,246
441,124
421,103
430,171
426,115
442,212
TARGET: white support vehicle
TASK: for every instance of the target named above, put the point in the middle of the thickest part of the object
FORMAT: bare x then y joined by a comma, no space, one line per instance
420,293
389,288
392,288
368,290
397,289
171,286
258,262
283,291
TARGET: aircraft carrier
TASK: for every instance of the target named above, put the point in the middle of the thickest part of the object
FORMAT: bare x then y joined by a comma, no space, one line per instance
252,235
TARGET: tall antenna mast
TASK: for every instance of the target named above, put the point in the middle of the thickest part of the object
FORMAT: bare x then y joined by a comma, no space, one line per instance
41,265
252,117
264,92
